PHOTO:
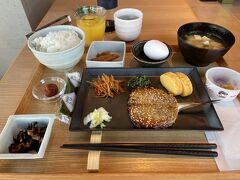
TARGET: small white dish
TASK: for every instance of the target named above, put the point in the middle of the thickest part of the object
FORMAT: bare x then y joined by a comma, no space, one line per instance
221,75
14,124
103,46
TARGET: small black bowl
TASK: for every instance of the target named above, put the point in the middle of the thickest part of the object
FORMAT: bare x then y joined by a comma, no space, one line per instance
200,56
140,57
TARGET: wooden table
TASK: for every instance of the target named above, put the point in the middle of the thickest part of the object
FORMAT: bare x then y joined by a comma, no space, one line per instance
161,21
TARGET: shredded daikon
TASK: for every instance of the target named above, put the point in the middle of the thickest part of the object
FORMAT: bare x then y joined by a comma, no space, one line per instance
97,118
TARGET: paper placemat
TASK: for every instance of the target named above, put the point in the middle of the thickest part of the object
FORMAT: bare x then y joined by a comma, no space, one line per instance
228,141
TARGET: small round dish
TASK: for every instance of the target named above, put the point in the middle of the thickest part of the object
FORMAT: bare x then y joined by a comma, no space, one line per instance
217,81
38,89
139,55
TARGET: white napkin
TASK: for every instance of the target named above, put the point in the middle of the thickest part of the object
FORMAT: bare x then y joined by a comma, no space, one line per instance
228,141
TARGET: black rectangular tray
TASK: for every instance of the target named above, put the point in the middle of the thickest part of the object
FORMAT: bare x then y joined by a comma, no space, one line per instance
200,118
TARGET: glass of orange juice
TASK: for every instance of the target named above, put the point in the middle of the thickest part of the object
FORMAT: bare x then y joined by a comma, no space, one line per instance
91,19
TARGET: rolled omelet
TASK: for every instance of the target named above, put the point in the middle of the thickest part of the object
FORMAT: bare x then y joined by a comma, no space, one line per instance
177,83
186,84
172,83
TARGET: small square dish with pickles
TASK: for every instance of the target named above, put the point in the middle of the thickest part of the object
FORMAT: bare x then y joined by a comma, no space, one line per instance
106,54
117,112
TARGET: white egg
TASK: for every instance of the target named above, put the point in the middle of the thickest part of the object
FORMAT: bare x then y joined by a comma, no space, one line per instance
156,50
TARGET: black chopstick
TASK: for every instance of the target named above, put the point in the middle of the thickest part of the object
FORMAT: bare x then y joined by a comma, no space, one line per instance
202,153
146,145
51,23
192,149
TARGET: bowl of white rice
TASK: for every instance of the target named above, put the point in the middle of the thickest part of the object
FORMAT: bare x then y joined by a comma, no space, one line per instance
58,47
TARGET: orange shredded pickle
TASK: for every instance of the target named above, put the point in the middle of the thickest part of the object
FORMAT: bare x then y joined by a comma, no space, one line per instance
107,86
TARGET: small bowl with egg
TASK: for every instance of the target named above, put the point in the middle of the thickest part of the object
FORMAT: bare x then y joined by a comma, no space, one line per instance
58,47
222,83
151,53
106,54
203,43
49,89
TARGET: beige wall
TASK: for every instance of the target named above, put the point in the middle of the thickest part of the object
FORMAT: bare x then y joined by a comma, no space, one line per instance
14,25
35,10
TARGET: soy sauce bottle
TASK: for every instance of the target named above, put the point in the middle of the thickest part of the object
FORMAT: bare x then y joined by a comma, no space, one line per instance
110,6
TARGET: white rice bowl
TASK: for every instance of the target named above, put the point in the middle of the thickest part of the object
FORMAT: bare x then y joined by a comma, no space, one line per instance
58,47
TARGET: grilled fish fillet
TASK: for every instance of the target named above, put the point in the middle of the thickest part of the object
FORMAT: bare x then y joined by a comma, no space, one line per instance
152,108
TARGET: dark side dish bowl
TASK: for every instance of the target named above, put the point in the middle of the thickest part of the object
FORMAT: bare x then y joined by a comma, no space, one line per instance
204,56
143,60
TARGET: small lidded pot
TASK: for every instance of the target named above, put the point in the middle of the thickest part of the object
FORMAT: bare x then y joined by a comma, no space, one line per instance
222,83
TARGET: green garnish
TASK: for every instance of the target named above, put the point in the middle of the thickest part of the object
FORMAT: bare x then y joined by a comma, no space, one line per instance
138,81
209,35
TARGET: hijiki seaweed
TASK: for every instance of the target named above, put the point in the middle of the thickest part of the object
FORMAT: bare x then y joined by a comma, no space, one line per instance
28,140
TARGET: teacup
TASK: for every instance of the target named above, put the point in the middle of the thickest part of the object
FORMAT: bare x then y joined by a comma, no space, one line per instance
128,23
222,83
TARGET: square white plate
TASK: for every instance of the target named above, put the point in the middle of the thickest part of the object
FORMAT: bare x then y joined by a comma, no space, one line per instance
14,124
103,46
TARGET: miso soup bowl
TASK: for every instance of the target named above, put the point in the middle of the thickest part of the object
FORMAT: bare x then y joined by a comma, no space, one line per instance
200,56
